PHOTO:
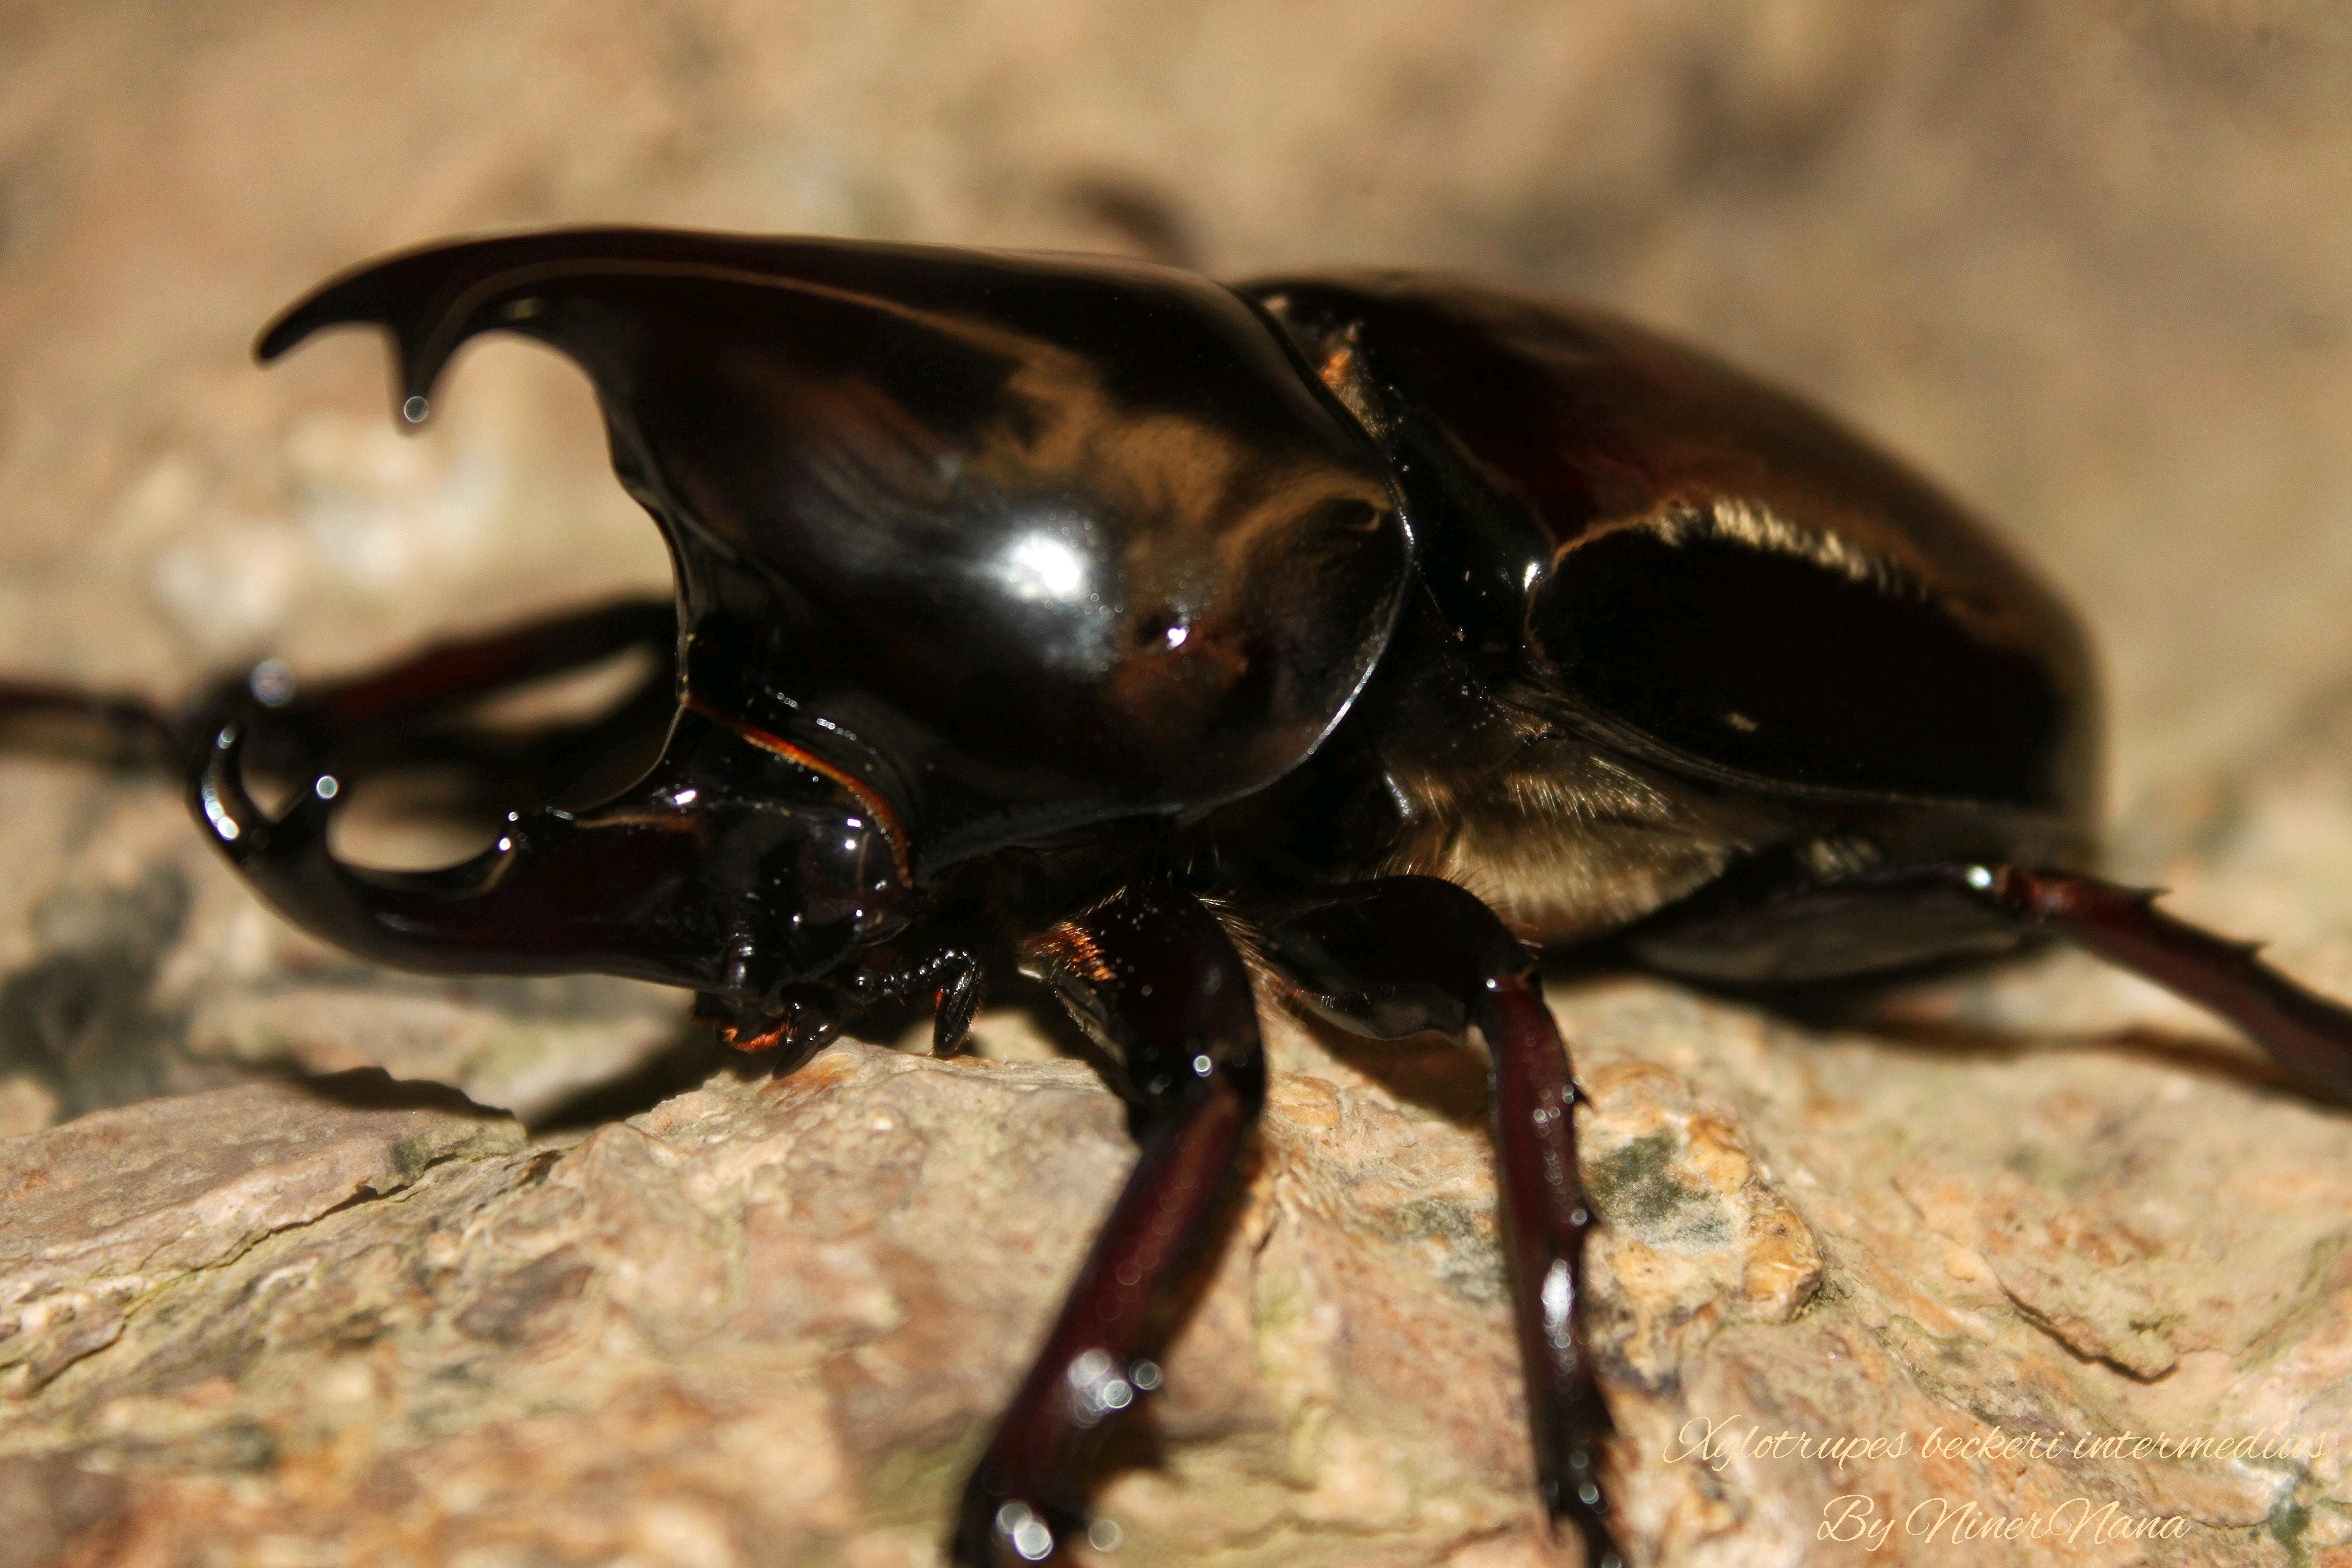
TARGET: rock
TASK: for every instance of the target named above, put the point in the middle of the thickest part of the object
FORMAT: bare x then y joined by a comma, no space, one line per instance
529,1046
114,1207
772,1319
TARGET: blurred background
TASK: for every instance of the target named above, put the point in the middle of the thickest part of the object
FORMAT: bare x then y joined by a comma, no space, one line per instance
2086,265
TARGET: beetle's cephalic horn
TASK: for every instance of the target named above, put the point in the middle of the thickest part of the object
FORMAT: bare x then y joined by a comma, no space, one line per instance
732,896
509,901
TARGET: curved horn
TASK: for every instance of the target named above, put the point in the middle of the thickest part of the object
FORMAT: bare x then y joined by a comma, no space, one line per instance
730,895
539,901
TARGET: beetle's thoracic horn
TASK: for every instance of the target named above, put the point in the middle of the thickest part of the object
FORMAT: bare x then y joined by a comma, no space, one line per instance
1026,542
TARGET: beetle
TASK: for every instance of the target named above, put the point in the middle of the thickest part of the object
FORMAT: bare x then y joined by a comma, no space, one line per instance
1353,639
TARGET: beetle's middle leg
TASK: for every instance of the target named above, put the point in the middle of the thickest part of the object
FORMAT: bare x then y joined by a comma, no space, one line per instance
1153,977
1400,955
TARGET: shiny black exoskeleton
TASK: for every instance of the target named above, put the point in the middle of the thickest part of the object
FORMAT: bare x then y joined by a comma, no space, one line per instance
1102,620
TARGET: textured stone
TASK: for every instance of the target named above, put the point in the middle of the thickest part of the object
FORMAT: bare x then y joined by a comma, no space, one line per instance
108,1209
771,1318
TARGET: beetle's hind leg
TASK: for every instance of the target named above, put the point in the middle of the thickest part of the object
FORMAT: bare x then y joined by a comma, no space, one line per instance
1152,976
1400,955
1882,922
2308,1035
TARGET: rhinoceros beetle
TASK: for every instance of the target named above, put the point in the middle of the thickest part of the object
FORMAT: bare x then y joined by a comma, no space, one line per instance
1351,638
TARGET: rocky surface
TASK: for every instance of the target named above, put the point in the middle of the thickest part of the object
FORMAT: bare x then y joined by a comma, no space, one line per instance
769,1320
257,1307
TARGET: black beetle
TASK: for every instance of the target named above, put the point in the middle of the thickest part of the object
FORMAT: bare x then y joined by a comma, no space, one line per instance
1103,620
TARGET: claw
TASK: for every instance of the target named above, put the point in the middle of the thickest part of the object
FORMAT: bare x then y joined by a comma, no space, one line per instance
963,986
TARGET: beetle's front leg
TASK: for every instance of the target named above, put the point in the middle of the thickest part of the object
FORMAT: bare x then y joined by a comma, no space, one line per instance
1152,976
407,714
413,712
1401,955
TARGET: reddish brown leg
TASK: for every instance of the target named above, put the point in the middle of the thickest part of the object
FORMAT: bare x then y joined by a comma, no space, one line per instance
2306,1034
1405,954
113,729
1153,978
416,712
451,674
393,717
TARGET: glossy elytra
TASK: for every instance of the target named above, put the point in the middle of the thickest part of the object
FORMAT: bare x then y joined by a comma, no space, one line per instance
1082,617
